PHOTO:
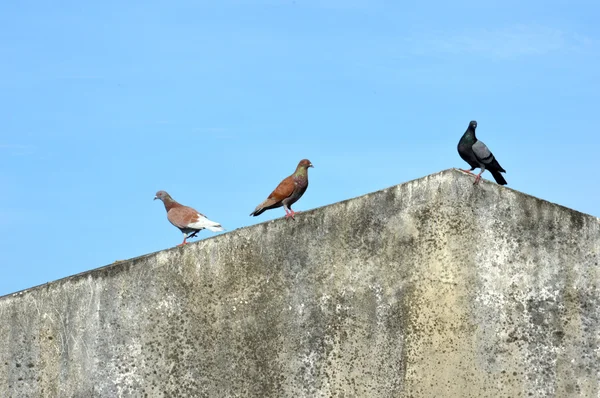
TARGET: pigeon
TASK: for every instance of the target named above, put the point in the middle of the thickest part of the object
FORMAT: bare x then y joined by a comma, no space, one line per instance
287,192
188,220
474,152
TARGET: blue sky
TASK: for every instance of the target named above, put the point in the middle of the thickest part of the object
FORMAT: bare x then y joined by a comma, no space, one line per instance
105,103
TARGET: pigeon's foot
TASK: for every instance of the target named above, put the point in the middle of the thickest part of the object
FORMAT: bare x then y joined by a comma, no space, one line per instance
291,213
466,171
477,179
183,243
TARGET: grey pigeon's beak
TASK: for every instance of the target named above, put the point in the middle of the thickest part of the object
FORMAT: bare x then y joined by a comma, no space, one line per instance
311,165
156,197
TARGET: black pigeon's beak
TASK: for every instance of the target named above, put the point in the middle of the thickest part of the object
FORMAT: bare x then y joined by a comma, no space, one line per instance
156,197
311,165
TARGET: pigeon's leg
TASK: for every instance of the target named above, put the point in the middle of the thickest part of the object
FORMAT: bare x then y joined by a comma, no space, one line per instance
468,171
292,213
288,212
478,178
184,240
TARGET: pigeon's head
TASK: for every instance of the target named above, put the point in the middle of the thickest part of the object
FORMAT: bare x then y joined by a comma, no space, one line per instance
162,195
305,163
473,124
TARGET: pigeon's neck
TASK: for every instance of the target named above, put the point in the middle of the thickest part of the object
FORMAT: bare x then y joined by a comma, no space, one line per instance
170,203
301,172
469,135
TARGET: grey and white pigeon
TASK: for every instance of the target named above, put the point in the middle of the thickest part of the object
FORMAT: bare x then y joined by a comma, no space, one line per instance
474,152
287,192
188,220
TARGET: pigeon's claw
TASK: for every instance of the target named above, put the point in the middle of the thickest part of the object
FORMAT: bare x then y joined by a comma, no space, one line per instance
291,213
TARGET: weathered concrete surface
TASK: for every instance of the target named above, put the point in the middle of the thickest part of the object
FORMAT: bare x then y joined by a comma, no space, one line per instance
432,288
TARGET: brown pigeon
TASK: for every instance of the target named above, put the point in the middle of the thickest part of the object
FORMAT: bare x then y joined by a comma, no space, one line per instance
188,220
287,192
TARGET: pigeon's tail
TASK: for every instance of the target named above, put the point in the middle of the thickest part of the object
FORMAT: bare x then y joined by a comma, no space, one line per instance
204,222
268,204
258,212
215,228
498,177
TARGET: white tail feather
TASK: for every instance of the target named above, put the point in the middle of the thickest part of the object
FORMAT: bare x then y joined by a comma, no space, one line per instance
204,222
216,228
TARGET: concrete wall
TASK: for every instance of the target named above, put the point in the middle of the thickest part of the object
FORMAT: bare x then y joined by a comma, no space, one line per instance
432,288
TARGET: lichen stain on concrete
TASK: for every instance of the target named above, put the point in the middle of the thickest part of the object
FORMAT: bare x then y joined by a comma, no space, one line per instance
432,288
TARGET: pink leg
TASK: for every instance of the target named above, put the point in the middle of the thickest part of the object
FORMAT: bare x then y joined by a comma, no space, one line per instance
467,171
289,213
184,242
478,178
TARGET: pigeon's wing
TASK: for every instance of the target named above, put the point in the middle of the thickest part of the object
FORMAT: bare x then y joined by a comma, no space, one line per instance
184,217
284,190
482,152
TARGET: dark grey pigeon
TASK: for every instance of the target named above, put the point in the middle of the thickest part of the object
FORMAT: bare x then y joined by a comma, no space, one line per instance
474,152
